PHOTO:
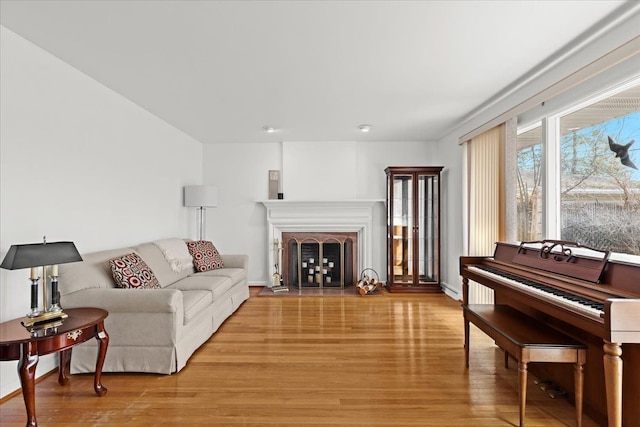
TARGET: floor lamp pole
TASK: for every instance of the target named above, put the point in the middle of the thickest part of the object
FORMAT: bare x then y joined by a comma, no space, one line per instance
202,222
201,197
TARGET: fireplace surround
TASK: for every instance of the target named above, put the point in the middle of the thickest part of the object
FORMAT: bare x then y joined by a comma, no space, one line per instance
330,216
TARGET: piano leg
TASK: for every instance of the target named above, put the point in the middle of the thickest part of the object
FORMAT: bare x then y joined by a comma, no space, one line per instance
522,383
613,382
578,374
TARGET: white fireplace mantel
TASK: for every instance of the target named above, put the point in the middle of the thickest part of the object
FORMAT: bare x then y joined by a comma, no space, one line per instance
323,215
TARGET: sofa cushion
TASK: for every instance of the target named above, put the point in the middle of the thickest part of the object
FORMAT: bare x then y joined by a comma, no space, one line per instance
194,302
235,274
130,271
152,255
218,286
205,256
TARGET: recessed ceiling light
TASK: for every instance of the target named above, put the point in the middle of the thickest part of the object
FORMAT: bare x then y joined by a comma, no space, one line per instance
269,129
365,128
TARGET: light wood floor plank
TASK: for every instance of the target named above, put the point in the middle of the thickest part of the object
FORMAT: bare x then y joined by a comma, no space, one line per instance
382,360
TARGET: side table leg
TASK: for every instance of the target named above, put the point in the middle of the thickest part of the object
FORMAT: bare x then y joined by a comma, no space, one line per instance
62,369
103,342
27,372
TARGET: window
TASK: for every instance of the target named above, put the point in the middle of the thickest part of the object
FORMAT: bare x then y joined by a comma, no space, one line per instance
599,195
529,183
598,183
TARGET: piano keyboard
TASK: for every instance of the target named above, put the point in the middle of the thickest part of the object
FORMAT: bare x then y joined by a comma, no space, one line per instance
590,308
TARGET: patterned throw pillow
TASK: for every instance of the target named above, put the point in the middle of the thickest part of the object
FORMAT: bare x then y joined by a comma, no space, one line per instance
130,271
205,256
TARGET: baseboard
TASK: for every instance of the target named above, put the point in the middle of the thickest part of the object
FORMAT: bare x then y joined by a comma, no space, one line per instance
451,292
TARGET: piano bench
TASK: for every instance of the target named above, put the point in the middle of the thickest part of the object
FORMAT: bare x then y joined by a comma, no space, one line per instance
527,340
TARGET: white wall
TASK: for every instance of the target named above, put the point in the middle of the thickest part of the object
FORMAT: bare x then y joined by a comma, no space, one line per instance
239,225
319,170
80,163
453,215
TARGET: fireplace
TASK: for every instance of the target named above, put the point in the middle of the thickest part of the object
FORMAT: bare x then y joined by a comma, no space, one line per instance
319,260
330,225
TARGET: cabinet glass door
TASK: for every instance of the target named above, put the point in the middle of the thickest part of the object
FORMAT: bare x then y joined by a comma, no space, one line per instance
427,230
403,226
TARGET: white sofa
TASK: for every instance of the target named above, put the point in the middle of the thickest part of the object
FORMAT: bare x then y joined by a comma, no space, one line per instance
152,330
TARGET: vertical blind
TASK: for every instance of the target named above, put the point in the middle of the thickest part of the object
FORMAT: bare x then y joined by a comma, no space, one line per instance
486,201
485,222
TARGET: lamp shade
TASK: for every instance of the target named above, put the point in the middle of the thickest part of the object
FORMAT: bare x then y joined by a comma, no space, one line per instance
38,254
201,196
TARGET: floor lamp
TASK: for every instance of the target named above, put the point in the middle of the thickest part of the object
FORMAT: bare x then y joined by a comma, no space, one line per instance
201,197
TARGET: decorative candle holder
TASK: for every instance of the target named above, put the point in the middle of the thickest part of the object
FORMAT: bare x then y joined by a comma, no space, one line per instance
34,298
55,296
48,317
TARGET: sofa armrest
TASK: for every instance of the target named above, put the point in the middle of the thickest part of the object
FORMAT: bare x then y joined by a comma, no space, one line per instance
137,317
236,261
117,300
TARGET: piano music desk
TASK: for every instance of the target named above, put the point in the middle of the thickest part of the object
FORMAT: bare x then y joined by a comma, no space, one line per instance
528,341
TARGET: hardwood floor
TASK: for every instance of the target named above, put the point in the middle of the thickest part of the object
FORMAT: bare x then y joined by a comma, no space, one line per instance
390,360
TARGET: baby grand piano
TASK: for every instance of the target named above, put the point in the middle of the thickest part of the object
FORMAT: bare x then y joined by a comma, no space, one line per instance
584,294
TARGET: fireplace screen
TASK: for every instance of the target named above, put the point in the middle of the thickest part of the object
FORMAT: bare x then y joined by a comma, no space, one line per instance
319,260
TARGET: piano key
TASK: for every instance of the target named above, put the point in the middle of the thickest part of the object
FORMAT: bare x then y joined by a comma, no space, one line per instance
585,306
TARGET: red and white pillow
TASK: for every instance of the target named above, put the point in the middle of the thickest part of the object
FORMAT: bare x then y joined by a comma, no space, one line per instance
131,272
205,256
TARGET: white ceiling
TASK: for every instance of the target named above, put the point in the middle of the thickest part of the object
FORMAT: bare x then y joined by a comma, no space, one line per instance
221,70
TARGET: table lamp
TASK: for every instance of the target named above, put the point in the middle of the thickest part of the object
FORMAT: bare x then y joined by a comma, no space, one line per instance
201,197
35,256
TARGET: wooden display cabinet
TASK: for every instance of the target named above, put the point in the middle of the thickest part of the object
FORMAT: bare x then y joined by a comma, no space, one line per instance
413,229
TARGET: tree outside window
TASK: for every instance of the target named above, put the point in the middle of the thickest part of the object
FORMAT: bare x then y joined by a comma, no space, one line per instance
600,196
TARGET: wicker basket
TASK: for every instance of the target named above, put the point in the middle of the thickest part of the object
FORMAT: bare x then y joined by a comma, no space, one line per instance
366,284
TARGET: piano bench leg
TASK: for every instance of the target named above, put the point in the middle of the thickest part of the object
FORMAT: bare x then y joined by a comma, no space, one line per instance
466,343
522,385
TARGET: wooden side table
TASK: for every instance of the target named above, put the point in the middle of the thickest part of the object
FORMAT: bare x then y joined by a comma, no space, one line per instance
17,343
